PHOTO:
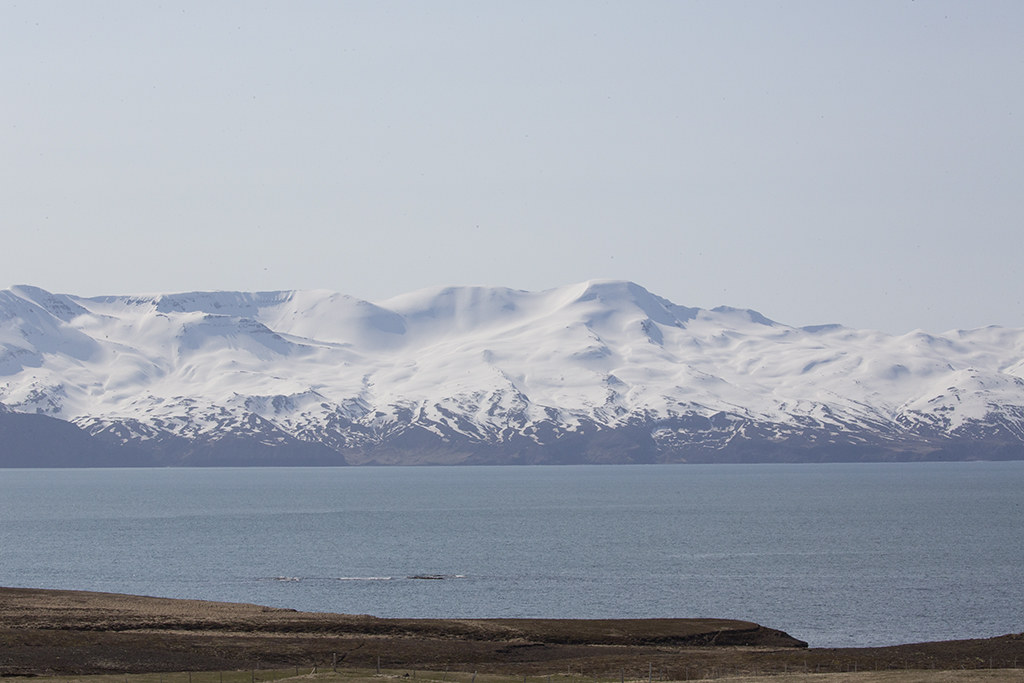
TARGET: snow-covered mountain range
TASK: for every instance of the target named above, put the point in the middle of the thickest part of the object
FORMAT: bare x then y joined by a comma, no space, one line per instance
601,371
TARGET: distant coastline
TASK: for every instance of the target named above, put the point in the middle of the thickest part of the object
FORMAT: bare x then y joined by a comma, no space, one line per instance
41,441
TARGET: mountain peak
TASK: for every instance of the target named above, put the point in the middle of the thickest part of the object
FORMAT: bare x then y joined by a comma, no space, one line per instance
59,306
597,371
610,289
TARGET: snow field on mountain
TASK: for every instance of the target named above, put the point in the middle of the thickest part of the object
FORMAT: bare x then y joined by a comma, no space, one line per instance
477,361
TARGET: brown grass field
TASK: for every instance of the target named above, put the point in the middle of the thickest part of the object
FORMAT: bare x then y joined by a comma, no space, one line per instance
66,635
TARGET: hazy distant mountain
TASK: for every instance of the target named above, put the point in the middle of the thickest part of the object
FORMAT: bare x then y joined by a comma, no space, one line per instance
600,371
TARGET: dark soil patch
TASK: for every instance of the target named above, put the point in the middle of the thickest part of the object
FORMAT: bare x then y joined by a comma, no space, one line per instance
72,632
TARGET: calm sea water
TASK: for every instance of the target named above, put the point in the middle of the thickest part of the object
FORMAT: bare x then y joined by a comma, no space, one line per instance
838,555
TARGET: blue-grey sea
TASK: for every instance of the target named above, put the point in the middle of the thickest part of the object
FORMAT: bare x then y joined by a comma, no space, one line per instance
836,554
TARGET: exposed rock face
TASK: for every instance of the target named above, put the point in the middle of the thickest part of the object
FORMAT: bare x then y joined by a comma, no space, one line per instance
599,372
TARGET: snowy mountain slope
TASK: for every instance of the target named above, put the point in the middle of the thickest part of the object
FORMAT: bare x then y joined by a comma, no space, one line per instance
601,371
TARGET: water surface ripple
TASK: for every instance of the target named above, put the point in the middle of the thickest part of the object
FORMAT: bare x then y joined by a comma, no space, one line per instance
838,554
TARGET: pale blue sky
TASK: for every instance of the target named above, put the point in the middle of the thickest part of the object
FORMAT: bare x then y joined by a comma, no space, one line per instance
854,162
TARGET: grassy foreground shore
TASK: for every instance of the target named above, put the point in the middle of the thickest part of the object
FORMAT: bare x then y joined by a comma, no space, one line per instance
64,634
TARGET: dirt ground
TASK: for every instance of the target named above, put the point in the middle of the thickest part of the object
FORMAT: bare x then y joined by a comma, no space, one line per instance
77,633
